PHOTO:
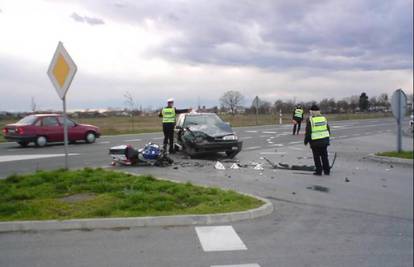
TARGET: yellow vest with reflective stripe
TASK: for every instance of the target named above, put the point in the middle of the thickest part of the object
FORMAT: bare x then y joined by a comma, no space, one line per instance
168,115
319,127
298,113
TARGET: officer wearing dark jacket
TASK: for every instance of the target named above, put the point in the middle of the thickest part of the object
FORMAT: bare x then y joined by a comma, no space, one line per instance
297,119
168,115
317,134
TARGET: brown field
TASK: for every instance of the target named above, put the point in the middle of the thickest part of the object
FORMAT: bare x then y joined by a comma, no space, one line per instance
125,125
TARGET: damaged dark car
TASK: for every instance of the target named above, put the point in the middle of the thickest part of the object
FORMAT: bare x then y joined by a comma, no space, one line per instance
202,133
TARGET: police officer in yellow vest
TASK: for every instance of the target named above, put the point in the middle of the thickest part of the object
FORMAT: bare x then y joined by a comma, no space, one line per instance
297,119
168,115
317,134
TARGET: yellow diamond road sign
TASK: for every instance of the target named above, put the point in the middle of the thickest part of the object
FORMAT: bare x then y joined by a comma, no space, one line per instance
61,70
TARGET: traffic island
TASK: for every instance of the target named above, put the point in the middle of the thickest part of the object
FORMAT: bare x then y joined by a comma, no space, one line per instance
102,199
403,157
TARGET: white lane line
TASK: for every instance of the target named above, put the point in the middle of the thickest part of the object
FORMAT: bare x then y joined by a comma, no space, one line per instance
238,265
272,153
104,142
344,136
251,131
157,138
268,132
295,142
279,145
133,140
252,147
270,142
219,238
247,137
27,157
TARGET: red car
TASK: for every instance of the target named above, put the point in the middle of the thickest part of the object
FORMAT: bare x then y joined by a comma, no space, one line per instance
48,128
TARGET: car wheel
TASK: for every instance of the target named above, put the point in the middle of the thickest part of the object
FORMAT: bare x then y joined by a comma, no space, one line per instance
231,154
23,143
90,137
41,141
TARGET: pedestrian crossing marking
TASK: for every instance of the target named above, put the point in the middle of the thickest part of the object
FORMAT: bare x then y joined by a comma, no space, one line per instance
219,238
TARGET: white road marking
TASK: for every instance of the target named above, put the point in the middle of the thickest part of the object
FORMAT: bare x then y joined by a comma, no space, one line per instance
27,157
219,238
270,142
133,140
252,147
295,142
251,131
296,148
157,138
344,136
104,142
277,145
238,265
269,132
247,137
272,153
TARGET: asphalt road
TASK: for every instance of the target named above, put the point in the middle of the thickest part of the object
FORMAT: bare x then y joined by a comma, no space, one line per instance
364,218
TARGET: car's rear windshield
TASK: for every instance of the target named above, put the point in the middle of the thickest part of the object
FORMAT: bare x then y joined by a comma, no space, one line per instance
28,120
212,119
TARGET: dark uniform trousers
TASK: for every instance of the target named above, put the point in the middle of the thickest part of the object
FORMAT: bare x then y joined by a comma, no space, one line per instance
320,153
297,124
168,129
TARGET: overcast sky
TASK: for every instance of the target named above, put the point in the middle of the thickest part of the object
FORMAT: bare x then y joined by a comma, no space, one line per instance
195,50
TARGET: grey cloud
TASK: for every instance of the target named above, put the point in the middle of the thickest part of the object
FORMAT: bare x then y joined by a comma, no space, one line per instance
331,34
85,19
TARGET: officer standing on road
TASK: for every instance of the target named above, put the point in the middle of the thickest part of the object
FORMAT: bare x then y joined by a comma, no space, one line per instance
168,115
297,119
317,134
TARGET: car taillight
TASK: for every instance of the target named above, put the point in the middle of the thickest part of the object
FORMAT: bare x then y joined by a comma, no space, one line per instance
5,131
19,131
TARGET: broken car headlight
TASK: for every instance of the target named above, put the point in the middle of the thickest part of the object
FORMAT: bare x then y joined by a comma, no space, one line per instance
230,137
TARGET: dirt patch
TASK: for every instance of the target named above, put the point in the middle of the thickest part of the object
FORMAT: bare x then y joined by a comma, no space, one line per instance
78,197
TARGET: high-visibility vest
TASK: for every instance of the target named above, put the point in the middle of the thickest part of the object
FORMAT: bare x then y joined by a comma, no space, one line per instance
298,113
319,127
168,115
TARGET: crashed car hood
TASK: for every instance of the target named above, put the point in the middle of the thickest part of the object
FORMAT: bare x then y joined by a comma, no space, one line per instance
216,130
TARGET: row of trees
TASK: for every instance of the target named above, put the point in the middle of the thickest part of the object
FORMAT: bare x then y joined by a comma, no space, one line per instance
232,101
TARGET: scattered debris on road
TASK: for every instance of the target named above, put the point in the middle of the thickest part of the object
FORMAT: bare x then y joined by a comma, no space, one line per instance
318,188
219,166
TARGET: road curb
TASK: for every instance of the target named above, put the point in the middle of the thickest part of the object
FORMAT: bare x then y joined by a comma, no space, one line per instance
408,162
132,222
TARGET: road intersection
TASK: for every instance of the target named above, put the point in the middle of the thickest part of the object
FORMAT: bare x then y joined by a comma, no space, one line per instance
363,218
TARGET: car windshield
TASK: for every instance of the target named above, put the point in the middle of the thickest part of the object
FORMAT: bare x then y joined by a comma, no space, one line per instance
211,119
28,120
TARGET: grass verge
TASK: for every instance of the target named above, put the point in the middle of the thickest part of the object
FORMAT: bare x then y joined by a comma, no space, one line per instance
94,193
395,154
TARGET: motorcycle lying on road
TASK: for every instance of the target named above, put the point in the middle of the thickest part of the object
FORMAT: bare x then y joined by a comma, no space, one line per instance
150,155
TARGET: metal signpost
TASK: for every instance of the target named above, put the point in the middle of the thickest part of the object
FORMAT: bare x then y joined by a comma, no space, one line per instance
61,71
256,105
398,106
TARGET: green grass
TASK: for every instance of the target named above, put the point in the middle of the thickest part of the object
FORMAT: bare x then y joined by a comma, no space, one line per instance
45,195
395,154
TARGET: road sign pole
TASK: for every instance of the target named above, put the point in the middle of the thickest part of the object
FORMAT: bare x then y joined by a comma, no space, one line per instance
280,116
65,132
399,134
398,107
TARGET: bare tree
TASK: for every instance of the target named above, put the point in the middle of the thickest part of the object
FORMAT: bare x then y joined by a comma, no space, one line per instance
231,100
33,104
130,106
